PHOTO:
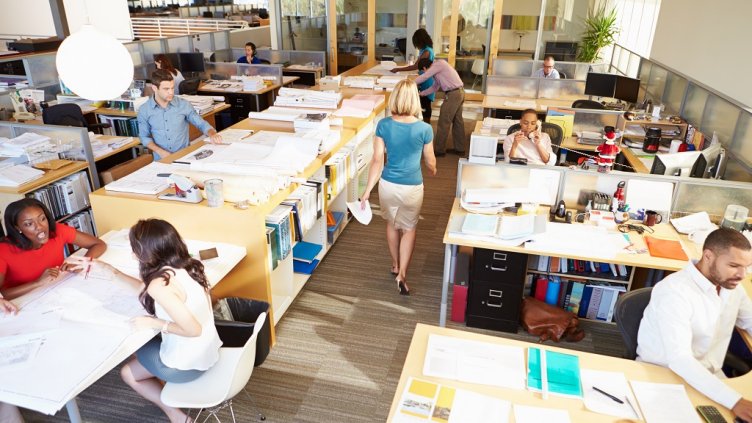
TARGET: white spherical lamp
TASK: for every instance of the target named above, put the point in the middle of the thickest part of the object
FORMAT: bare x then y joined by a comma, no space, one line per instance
94,65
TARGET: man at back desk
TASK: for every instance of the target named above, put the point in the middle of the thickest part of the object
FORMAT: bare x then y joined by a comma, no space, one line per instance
163,120
687,325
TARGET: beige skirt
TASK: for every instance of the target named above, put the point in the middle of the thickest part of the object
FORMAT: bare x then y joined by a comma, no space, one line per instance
400,204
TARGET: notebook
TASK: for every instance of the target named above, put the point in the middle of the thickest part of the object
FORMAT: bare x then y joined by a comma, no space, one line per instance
665,248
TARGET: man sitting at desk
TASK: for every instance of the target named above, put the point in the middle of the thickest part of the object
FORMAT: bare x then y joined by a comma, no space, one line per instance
547,71
163,119
529,142
687,325
250,55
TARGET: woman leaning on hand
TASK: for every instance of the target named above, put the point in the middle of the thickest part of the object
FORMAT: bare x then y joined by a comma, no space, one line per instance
403,138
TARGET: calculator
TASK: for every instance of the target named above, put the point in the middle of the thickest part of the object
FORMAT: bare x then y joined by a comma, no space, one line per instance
710,414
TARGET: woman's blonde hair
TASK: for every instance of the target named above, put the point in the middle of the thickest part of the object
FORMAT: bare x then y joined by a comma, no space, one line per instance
405,99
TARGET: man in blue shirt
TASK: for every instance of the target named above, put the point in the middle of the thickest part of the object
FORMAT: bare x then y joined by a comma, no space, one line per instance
547,71
163,120
250,55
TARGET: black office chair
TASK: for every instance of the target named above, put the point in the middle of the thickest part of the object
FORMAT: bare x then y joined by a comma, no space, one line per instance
588,104
69,114
264,62
402,46
562,75
553,130
628,313
189,86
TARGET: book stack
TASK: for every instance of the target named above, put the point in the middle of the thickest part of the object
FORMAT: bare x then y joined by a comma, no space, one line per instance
329,139
304,202
66,196
311,121
23,144
304,257
281,237
336,169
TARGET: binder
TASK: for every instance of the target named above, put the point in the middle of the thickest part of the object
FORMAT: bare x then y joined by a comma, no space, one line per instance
305,251
305,268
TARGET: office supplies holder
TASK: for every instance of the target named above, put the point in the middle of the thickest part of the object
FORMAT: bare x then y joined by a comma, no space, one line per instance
185,190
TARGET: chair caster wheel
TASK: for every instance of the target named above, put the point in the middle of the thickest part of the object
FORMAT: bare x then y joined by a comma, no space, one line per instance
262,417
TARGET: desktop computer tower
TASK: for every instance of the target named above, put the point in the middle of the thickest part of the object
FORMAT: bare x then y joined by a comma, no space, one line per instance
494,297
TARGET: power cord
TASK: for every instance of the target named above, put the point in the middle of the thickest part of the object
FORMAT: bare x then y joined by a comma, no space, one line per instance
640,229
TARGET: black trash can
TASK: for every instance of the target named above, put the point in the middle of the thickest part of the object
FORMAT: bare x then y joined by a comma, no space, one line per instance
245,310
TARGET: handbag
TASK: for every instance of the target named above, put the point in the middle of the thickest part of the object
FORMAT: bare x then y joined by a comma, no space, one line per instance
549,322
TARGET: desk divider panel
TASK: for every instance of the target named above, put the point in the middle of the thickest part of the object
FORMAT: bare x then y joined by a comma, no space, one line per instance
512,86
561,89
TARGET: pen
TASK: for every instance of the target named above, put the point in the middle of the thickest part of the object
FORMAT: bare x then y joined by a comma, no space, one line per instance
608,395
88,269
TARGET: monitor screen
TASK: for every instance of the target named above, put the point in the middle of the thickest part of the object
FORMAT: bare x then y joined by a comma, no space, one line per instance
675,164
627,89
708,164
191,62
600,84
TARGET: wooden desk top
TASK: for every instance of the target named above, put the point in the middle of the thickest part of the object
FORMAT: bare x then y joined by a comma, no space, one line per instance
511,103
135,142
633,370
49,177
631,158
132,113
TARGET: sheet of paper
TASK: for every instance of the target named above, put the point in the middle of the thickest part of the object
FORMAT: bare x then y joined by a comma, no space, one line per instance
29,322
475,362
19,351
592,240
664,402
363,216
528,414
615,384
546,181
649,195
235,135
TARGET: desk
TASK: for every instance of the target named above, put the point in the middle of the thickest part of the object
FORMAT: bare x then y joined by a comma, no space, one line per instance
243,102
633,370
541,105
629,156
99,333
309,75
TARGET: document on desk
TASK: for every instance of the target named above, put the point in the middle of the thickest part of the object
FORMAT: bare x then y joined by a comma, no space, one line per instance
592,241
424,401
664,402
614,383
19,351
475,362
29,322
529,414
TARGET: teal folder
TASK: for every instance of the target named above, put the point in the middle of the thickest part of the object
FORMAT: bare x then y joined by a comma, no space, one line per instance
563,373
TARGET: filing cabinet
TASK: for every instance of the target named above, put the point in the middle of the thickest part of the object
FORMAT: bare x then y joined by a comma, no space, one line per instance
497,279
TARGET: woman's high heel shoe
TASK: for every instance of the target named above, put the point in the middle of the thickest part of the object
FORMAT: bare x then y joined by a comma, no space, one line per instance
402,287
394,273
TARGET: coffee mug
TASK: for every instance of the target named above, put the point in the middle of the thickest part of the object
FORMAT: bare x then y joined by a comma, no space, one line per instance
652,217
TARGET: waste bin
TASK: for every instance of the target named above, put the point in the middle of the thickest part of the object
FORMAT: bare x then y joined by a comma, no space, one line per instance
247,311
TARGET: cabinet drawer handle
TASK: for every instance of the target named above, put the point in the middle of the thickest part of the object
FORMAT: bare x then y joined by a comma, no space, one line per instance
495,293
497,269
500,256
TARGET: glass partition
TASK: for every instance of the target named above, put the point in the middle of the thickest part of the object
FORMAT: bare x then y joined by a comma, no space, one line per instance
303,25
226,71
201,42
676,86
720,117
152,47
695,103
352,26
221,40
470,60
561,89
519,28
507,86
739,144
179,44
391,31
572,70
510,67
562,28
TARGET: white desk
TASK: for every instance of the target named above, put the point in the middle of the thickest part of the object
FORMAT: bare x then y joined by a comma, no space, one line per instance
88,341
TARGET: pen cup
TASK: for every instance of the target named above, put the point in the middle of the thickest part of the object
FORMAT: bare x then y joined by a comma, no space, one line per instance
214,193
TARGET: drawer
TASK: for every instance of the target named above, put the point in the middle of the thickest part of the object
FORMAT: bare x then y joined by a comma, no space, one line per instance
482,322
498,266
495,300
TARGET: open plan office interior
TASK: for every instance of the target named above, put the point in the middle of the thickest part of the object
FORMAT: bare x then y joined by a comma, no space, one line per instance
273,211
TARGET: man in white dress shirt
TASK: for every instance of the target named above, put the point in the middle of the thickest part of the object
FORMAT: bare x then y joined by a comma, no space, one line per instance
687,325
547,71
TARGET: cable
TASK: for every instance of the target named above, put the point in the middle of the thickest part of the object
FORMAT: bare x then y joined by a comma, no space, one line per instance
639,228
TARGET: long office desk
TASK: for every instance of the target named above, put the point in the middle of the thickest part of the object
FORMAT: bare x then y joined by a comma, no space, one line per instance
61,359
541,105
633,370
243,102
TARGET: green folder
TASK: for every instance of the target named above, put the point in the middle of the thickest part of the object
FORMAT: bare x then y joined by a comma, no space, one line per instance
563,371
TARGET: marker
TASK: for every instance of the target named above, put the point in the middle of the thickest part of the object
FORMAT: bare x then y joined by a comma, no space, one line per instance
608,395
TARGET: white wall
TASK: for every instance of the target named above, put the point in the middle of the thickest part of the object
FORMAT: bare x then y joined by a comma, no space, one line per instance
109,16
707,41
27,18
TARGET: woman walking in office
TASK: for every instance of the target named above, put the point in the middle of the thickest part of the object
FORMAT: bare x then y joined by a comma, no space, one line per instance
32,254
423,42
176,295
162,62
404,139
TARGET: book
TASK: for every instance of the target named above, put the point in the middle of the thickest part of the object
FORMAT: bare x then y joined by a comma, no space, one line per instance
552,291
554,264
606,297
305,251
305,268
595,302
543,264
587,292
568,295
576,298
541,286
562,373
279,218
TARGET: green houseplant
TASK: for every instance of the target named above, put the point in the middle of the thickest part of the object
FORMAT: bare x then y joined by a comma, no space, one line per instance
600,31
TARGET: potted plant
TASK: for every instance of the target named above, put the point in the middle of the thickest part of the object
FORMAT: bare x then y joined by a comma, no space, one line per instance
600,31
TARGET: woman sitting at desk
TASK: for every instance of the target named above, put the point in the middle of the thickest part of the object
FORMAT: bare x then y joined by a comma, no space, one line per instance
162,62
31,255
176,295
529,142
250,55
405,139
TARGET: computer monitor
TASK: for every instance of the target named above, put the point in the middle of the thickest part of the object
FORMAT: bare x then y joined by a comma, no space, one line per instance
709,163
674,164
627,89
174,58
600,84
191,62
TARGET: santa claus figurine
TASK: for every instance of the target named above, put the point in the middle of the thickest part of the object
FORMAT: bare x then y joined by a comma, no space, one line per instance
607,151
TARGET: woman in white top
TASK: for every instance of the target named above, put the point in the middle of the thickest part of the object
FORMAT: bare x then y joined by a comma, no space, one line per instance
529,142
162,62
176,294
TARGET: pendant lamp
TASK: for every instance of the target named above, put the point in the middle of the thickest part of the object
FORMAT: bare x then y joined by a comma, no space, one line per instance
94,65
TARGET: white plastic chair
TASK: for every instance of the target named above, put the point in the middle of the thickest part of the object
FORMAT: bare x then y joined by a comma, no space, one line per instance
479,66
215,388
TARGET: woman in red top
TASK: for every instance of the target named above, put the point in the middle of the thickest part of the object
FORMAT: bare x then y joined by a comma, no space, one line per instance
32,253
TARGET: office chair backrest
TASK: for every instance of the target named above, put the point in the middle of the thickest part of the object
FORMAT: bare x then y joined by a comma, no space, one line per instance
628,313
264,61
67,114
402,46
244,359
553,130
587,104
562,75
189,86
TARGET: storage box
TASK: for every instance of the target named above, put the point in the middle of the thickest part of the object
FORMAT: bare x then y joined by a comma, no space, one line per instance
332,232
329,84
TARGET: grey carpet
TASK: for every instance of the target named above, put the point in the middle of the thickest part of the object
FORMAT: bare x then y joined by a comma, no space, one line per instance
341,345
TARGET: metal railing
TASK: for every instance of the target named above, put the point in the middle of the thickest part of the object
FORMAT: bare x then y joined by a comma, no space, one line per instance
145,28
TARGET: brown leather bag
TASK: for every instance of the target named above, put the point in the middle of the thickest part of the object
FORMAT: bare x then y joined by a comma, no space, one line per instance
549,322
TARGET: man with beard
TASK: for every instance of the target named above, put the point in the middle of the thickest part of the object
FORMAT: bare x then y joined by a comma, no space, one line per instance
689,321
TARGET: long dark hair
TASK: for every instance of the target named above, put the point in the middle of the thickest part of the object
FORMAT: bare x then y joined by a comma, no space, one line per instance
165,64
157,245
14,209
421,39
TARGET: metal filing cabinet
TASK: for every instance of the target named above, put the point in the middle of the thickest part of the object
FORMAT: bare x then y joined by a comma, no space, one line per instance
497,280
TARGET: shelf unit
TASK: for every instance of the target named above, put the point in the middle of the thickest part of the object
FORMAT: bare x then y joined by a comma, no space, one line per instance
662,124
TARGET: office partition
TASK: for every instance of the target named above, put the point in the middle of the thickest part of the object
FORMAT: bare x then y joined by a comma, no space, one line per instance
528,87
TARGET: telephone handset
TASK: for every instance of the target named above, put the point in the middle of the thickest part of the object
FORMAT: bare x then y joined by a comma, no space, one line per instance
538,126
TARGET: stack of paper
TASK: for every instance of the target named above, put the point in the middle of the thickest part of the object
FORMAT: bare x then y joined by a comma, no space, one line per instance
23,144
231,86
144,180
17,175
388,82
311,121
201,103
360,82
328,138
252,83
497,126
307,98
